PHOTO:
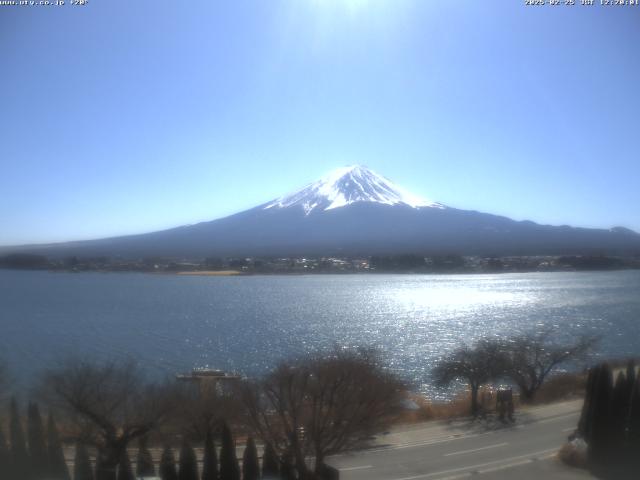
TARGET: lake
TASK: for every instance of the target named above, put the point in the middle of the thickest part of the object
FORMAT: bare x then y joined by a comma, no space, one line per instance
172,323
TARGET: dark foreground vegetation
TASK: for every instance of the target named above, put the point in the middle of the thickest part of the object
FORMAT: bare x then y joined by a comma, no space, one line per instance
302,412
111,423
610,422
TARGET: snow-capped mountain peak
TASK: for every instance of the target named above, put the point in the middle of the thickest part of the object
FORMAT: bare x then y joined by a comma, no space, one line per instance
348,185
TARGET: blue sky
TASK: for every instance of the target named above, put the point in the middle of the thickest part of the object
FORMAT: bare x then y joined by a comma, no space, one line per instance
123,117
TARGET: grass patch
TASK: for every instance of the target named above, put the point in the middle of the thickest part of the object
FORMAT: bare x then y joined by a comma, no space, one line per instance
563,386
574,455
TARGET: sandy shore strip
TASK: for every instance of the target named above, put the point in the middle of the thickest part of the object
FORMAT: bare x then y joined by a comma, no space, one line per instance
212,273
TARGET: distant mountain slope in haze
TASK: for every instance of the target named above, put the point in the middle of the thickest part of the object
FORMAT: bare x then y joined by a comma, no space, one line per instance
354,211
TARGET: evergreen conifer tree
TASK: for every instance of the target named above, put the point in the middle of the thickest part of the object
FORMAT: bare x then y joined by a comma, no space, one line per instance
601,432
229,469
4,457
57,465
631,373
37,443
633,436
125,471
82,465
288,470
631,381
270,462
210,459
586,416
619,413
144,467
188,463
104,471
168,465
20,467
250,465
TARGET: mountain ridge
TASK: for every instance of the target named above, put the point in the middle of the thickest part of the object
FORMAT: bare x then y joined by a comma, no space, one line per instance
354,211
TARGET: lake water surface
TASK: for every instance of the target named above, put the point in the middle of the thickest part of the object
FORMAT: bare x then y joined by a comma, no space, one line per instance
247,324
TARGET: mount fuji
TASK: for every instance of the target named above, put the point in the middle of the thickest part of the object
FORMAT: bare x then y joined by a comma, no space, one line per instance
354,211
349,185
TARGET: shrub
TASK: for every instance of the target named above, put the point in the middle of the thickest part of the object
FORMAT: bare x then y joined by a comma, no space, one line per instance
82,466
144,460
229,469
188,463
250,465
168,465
210,459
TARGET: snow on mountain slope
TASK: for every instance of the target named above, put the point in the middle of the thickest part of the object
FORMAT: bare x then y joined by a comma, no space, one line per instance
348,185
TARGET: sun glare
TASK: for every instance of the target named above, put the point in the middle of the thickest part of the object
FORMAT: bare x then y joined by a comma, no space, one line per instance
350,5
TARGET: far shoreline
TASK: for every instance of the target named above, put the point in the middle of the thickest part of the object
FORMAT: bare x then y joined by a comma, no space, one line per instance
238,273
210,273
451,264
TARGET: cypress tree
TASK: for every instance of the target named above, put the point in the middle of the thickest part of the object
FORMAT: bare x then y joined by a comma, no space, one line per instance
250,465
19,457
619,412
584,424
104,471
288,471
633,423
631,381
188,463
82,466
210,459
37,444
229,469
600,437
270,462
168,465
125,471
144,467
5,457
57,465
631,373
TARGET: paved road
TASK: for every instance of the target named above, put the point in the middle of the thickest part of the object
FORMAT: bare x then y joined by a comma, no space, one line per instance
457,450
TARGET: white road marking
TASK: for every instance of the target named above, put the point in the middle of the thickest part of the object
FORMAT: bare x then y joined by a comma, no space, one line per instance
496,463
401,446
348,469
496,469
462,452
559,417
517,464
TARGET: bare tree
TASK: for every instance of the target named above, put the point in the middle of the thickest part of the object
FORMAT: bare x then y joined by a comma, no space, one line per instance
532,357
322,406
475,366
110,404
